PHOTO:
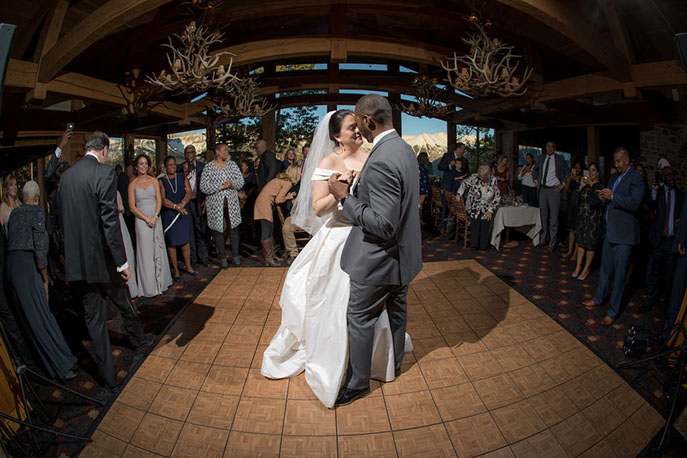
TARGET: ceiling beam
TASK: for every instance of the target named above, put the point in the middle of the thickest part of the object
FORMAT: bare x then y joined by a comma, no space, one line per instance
564,19
49,35
26,31
100,23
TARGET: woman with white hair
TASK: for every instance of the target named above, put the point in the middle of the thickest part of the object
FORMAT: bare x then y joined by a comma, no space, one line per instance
483,197
27,272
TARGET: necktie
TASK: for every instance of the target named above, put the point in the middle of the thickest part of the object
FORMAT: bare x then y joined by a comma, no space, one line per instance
666,227
546,171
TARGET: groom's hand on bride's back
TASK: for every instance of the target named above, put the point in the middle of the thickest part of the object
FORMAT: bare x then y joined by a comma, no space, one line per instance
338,189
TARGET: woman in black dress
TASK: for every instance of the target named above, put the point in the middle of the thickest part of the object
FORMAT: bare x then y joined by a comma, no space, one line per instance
590,226
176,193
27,271
572,188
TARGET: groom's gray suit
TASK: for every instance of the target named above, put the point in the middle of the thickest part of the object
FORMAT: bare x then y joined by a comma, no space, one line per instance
383,252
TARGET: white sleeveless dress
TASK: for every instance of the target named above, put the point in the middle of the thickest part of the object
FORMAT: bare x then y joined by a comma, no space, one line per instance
313,335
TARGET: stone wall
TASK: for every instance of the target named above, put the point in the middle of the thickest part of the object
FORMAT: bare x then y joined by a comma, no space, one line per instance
670,142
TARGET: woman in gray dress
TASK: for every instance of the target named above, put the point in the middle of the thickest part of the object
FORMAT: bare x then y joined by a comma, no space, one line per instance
27,271
153,274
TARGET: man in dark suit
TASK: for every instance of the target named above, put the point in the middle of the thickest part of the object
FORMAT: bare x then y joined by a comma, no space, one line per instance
96,264
680,278
383,252
447,165
666,202
550,173
269,166
196,208
623,197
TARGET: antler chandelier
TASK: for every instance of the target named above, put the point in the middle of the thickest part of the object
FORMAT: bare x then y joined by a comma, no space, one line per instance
242,99
489,69
428,97
192,68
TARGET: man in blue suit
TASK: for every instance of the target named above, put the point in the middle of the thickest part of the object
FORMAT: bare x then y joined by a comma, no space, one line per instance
447,166
623,196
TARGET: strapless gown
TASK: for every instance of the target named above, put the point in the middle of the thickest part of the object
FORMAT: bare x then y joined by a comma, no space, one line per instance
313,336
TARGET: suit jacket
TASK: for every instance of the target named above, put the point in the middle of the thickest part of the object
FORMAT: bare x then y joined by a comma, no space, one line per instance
447,175
199,173
384,246
681,231
87,202
268,168
562,171
622,225
659,206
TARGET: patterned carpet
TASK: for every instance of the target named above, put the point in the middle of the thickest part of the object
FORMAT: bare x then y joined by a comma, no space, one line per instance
541,277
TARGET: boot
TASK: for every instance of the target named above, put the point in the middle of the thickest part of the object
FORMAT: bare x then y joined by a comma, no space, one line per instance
267,253
275,256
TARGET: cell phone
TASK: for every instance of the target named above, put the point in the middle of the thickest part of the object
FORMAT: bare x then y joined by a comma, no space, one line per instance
585,173
70,126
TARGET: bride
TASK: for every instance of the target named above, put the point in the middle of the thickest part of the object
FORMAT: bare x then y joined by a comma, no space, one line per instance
313,336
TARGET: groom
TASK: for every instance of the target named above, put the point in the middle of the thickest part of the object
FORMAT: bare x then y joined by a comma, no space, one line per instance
383,252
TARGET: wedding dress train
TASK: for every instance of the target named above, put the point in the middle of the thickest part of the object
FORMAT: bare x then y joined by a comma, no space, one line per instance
313,335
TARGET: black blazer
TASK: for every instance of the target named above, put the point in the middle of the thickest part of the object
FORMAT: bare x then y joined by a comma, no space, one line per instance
123,188
268,168
444,166
659,205
199,173
87,203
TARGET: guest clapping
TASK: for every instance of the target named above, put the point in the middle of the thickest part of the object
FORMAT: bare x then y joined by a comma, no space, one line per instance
275,192
482,195
145,200
27,270
221,180
590,225
176,221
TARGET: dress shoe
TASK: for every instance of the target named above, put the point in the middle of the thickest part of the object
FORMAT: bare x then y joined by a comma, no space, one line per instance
347,396
237,261
607,321
550,249
590,303
290,260
205,263
72,374
147,340
225,263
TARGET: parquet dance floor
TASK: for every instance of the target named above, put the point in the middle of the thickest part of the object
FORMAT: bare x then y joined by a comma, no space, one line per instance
490,374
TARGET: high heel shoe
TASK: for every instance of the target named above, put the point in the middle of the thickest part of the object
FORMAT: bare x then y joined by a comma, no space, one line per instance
582,276
575,274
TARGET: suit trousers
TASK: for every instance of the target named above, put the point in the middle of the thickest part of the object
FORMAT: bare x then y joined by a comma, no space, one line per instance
479,233
549,207
94,300
661,273
287,232
365,304
199,237
614,261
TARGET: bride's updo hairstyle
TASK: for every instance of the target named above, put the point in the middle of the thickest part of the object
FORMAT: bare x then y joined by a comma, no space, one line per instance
335,123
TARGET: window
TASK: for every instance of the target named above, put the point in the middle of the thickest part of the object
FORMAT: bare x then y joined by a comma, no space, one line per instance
362,92
115,152
376,67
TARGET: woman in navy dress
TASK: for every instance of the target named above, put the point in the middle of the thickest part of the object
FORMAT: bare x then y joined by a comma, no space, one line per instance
176,193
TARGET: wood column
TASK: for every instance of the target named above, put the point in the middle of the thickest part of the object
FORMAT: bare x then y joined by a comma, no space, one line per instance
395,100
269,130
160,151
39,175
129,155
451,134
593,153
508,147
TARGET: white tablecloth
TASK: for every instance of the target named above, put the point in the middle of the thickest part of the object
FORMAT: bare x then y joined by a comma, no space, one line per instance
525,219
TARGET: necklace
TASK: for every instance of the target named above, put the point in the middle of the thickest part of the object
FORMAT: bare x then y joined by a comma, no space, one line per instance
174,188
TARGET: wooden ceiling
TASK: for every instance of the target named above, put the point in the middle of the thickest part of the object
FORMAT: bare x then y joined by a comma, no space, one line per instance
595,61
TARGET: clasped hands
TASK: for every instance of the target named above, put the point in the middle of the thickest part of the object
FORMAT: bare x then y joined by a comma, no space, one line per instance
340,184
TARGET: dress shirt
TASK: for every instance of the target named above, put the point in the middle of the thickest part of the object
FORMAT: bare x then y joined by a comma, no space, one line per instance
192,177
551,179
380,136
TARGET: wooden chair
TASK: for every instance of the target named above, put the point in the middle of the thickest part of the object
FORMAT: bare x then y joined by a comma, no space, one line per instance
302,237
436,204
457,208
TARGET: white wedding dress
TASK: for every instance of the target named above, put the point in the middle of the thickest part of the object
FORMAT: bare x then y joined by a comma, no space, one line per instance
313,335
